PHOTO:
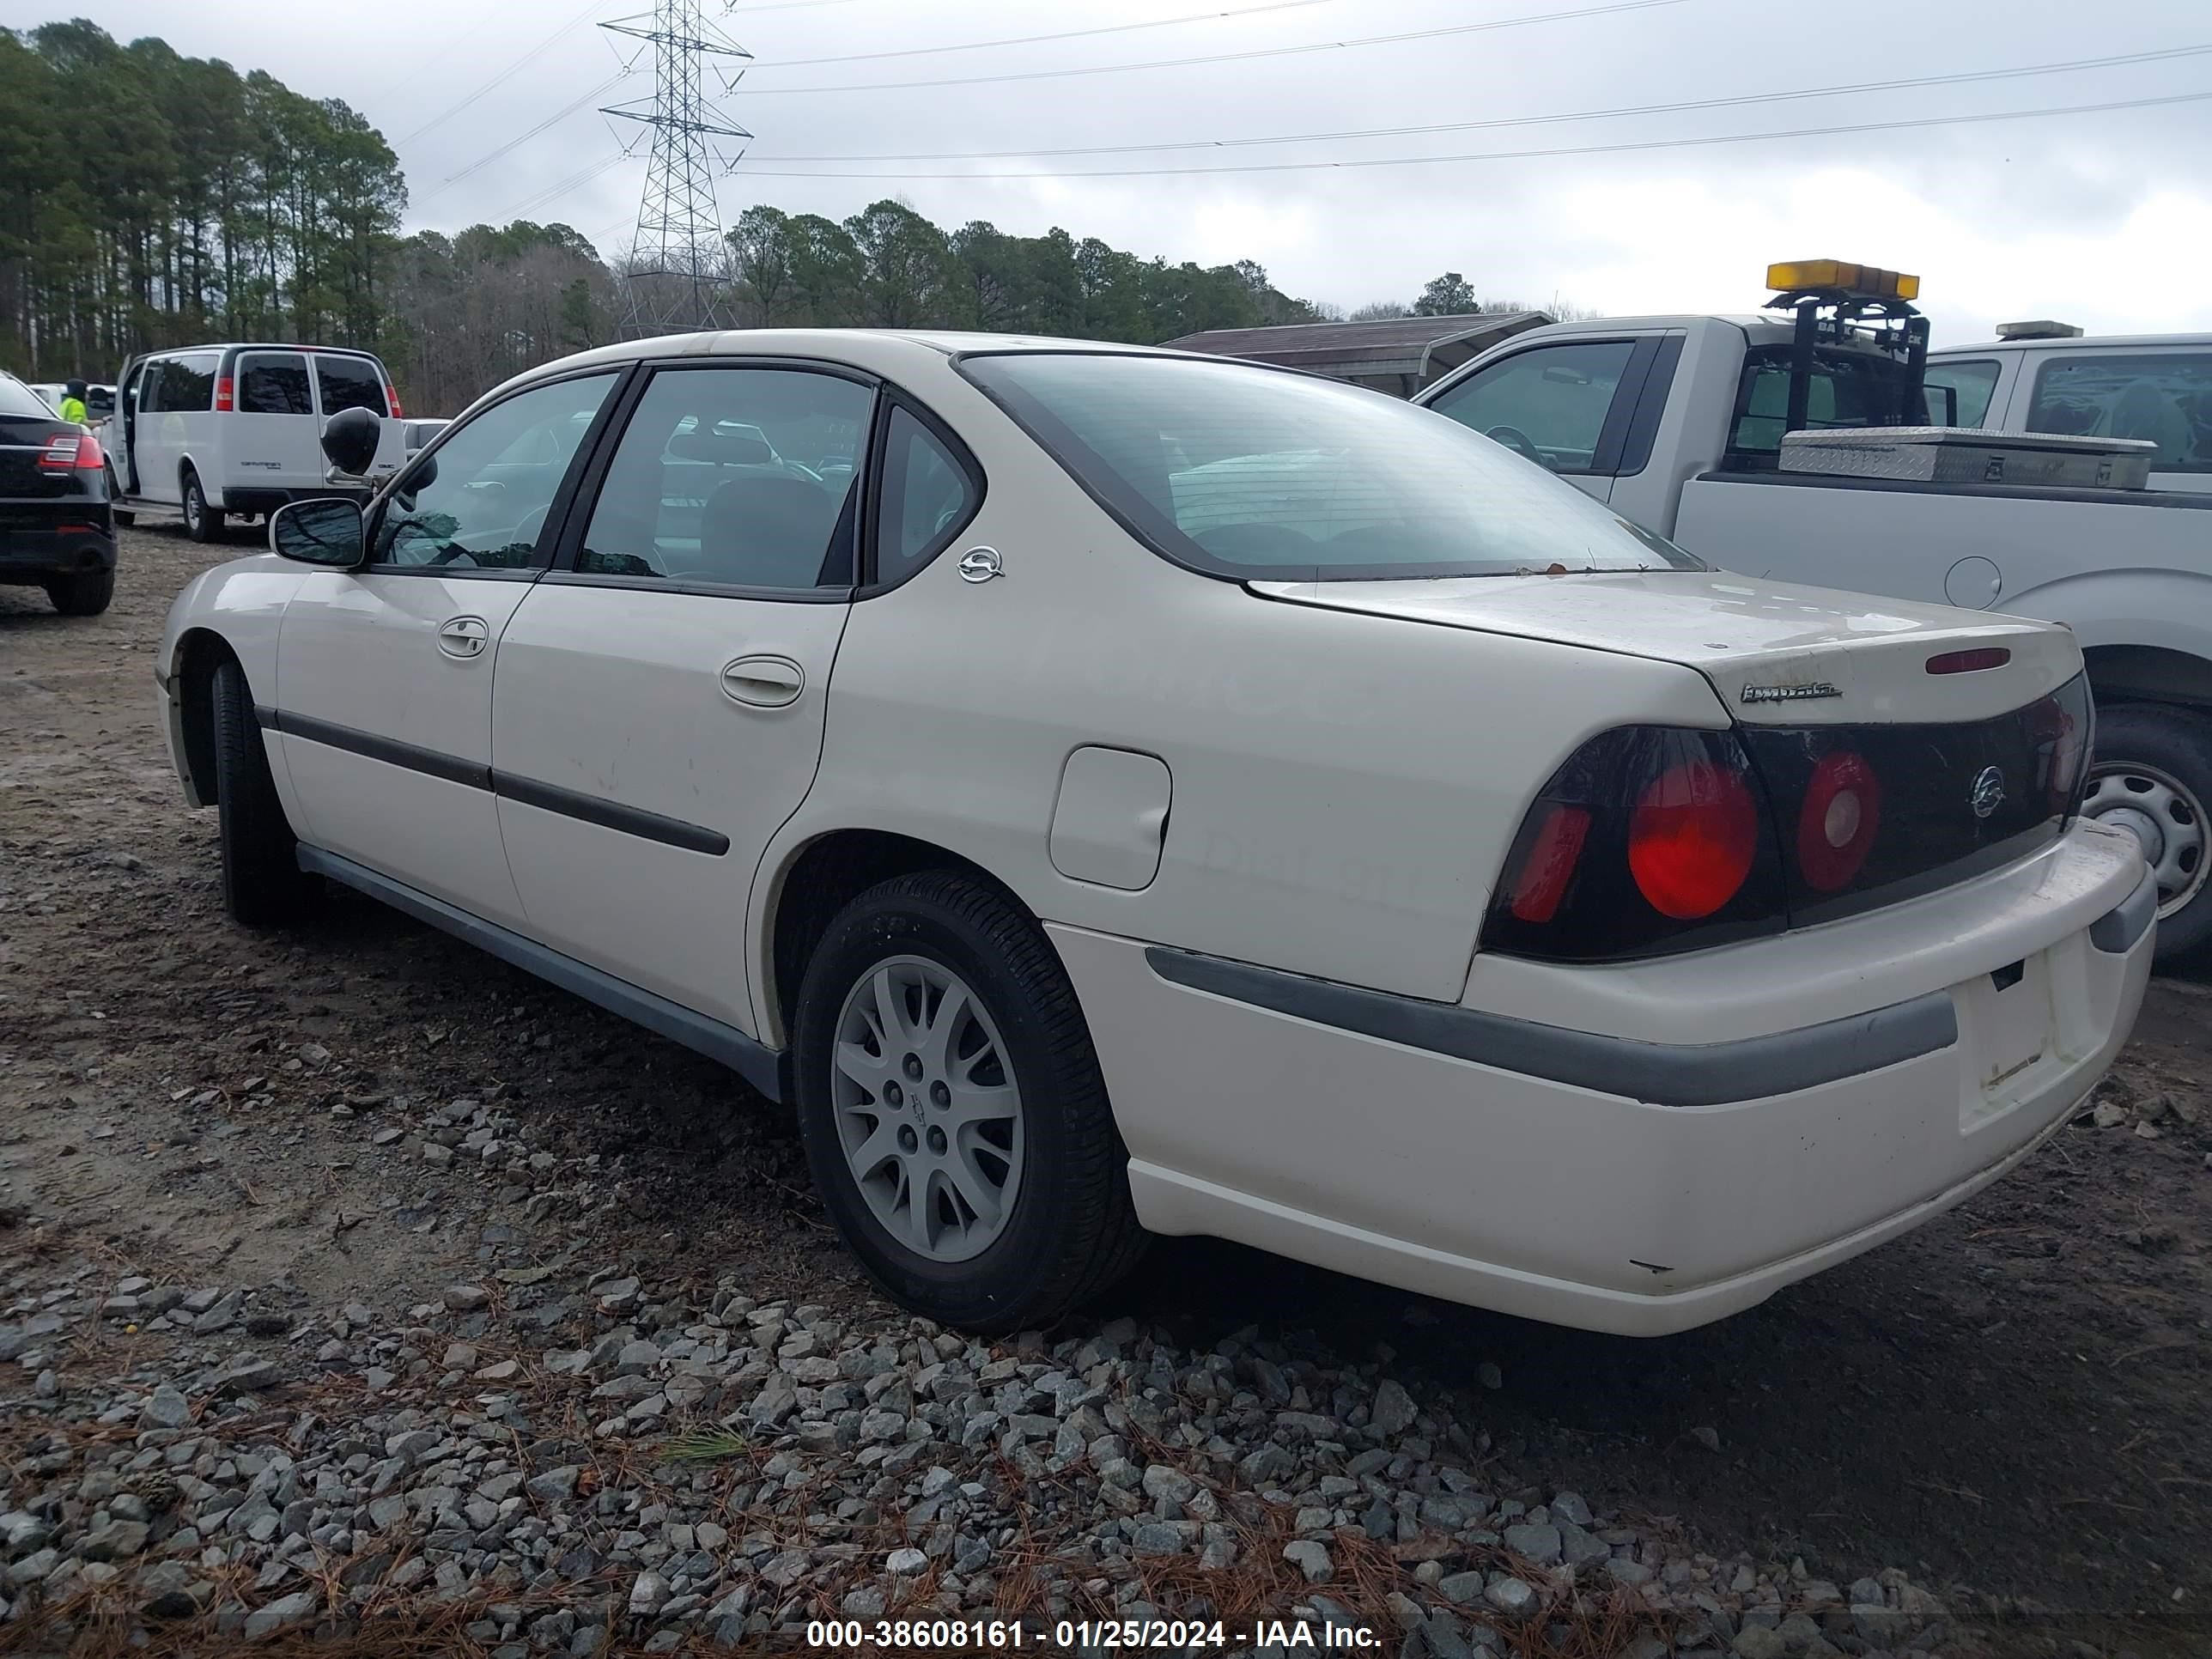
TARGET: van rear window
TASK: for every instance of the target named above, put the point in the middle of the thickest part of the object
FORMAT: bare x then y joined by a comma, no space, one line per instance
273,382
349,383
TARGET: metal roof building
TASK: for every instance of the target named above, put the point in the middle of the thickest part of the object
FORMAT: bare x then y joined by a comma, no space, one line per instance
1400,355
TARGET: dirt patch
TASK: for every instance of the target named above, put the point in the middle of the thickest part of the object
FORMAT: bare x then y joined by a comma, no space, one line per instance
2015,1397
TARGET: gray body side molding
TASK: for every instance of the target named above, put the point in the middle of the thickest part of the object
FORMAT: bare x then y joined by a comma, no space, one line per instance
1661,1074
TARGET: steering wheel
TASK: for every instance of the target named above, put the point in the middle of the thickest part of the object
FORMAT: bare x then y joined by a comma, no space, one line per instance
1516,441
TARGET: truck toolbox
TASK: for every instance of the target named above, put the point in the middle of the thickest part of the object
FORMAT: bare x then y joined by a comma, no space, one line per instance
1944,455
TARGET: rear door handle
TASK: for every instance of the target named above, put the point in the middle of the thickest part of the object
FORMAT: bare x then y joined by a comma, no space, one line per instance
764,682
464,636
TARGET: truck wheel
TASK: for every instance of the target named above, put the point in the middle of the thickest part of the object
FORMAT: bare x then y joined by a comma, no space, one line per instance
2152,775
952,1110
262,885
203,523
84,595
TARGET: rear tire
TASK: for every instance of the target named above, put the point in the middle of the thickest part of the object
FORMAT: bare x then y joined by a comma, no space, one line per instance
203,523
1025,1107
262,885
84,595
2152,774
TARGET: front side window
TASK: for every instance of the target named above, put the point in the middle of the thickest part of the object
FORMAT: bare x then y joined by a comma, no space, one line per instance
492,483
1970,386
927,495
273,382
1849,389
2160,398
349,383
1254,474
1549,404
714,482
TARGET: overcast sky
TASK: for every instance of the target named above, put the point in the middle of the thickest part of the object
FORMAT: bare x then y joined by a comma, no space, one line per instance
2103,218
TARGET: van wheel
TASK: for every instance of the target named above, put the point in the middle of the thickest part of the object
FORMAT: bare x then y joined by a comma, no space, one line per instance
203,523
2151,775
84,595
262,884
952,1110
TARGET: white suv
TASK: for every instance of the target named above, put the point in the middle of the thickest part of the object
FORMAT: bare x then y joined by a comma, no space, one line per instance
219,430
1157,793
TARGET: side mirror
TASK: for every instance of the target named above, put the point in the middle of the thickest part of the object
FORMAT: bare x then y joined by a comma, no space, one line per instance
329,534
351,438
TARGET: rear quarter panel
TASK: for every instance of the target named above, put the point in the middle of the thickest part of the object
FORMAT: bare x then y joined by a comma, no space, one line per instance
1344,788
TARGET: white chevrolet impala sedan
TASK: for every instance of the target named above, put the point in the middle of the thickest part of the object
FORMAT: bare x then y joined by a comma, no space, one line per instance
1111,792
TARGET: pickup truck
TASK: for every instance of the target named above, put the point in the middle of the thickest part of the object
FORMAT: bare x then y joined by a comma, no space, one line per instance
1677,422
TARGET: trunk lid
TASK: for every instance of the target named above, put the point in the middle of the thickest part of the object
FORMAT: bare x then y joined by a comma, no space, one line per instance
1777,654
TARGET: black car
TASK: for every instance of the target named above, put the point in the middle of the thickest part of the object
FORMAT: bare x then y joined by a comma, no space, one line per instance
57,527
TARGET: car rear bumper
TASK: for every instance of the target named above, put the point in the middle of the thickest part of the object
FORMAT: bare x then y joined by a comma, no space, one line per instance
41,541
1639,1175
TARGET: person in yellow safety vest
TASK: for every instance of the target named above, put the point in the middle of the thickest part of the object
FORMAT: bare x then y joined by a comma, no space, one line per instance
73,407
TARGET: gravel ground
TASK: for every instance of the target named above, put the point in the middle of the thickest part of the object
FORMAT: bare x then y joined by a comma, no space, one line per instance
355,1291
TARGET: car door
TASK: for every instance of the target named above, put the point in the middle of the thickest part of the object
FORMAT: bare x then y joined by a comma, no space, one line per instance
271,438
155,435
1570,406
661,699
384,674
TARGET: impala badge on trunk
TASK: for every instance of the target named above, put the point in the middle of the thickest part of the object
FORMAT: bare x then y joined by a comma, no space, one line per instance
1790,693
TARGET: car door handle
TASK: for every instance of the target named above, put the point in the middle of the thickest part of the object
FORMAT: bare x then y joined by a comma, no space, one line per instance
764,682
464,636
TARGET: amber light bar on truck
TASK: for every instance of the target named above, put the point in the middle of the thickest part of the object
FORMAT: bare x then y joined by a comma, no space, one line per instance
1836,277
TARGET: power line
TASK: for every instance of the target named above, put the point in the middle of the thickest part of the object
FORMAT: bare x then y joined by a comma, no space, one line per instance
516,142
1533,154
500,79
553,193
1614,10
1958,78
1064,34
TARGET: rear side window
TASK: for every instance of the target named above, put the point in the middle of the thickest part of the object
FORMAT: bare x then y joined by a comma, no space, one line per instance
183,384
1850,389
1552,400
1970,386
927,497
349,383
273,382
2163,399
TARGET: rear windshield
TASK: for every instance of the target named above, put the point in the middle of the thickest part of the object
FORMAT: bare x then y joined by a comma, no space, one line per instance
349,383
1846,389
18,400
1256,474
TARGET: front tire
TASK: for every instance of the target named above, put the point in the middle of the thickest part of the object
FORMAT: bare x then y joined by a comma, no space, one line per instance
262,885
952,1110
203,523
2152,775
86,594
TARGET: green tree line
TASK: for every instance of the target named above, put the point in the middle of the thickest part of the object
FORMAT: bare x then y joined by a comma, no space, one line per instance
149,200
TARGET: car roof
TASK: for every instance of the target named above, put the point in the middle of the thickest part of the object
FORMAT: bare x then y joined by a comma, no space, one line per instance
2075,342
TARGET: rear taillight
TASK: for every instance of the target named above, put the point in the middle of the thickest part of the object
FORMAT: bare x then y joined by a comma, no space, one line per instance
2062,734
71,452
391,397
1839,821
1649,840
225,396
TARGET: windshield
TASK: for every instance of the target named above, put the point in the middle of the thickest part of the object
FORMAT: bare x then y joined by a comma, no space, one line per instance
1259,475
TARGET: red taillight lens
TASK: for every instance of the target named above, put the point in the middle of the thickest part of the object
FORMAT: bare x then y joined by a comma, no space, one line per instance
1837,825
66,453
224,395
1969,662
1542,879
2062,741
89,459
1692,839
391,397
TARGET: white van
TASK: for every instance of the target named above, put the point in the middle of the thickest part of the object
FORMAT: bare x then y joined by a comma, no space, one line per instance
2048,377
213,431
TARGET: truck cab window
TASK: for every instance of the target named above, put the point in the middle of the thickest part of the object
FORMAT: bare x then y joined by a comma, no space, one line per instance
1971,385
1849,389
1549,404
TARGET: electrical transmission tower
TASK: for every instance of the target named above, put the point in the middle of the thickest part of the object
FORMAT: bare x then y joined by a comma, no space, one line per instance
678,255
